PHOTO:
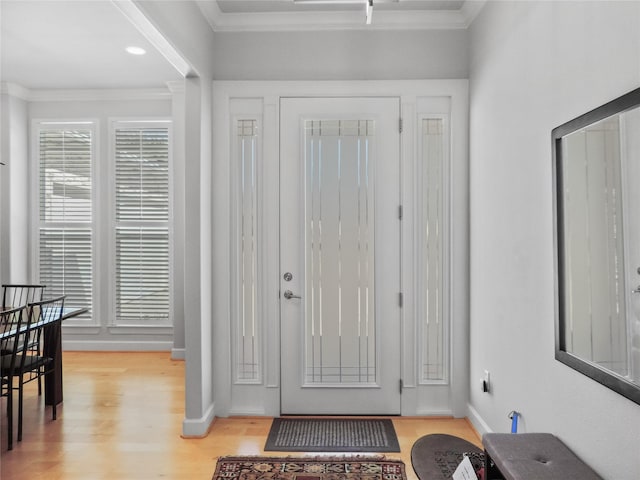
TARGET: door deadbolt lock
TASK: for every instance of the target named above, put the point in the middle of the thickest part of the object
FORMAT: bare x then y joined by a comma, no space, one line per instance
287,277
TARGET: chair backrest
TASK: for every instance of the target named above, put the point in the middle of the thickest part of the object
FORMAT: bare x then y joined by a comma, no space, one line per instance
16,295
44,315
45,312
12,330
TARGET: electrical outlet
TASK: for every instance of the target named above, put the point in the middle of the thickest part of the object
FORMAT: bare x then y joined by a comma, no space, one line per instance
486,384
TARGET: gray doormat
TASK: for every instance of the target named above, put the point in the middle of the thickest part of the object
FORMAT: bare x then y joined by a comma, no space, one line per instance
332,435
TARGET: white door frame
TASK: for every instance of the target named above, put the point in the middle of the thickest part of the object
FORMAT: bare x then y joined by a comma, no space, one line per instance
260,99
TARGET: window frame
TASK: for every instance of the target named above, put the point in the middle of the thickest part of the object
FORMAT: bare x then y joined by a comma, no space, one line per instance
37,126
113,325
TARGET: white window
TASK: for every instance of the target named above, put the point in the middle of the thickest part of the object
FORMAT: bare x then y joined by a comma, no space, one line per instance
142,223
65,154
246,316
432,175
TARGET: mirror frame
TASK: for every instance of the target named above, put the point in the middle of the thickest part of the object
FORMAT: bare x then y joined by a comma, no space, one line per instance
599,374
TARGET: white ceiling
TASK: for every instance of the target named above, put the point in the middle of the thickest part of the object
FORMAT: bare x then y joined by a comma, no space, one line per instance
49,44
79,44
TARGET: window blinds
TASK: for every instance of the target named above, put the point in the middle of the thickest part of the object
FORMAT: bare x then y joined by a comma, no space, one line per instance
142,225
65,211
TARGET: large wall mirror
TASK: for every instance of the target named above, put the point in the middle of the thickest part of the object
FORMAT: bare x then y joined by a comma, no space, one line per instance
597,199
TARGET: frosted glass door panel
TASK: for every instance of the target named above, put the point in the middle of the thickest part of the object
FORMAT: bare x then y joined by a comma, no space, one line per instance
340,330
432,255
340,256
247,341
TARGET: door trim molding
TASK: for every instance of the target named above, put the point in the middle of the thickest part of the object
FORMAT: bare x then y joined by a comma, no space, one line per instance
416,399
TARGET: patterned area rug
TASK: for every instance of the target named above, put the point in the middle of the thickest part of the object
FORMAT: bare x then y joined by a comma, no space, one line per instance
332,435
312,468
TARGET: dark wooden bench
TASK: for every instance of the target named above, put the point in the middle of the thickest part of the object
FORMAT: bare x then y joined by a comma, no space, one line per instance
532,456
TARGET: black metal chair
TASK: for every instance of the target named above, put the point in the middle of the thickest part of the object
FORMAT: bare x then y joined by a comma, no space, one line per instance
20,294
12,330
16,295
43,318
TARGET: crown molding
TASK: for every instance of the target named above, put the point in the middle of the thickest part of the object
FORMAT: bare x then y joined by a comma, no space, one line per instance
471,9
176,86
348,20
211,12
100,95
14,90
84,95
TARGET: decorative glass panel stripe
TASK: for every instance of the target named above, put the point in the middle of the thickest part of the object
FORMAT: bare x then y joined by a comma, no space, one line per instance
340,328
247,346
432,345
65,212
142,225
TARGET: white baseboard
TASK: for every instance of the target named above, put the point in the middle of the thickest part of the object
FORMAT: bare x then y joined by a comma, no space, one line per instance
177,354
426,412
198,427
116,346
248,412
476,420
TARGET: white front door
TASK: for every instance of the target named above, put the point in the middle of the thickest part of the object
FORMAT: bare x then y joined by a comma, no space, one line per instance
340,255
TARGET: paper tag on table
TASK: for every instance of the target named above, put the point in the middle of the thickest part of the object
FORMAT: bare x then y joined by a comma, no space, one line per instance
465,471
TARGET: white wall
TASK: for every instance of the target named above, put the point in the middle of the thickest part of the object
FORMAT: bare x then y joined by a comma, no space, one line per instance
341,55
534,66
178,185
14,197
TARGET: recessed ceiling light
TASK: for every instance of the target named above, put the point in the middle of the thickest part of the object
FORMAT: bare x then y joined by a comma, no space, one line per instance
136,50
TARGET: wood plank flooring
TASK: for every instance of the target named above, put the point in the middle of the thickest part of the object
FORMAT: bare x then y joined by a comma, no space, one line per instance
122,418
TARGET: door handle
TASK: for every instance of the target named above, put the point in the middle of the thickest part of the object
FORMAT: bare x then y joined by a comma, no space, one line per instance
636,290
288,294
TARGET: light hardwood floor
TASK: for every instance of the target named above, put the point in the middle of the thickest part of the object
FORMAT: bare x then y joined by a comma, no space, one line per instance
121,420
